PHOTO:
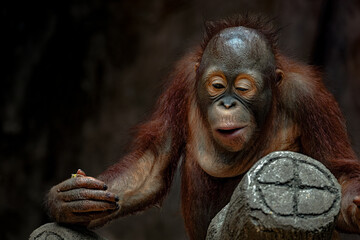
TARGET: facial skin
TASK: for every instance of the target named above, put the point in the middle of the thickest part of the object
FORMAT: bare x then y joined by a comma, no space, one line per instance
233,86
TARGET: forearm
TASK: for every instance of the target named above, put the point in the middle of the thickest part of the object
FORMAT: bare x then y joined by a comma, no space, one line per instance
140,184
141,181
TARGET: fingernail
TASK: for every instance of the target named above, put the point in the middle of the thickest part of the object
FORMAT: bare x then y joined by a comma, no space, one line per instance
105,187
117,198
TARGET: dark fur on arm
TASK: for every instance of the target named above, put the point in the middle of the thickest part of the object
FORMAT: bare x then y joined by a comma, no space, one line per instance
169,119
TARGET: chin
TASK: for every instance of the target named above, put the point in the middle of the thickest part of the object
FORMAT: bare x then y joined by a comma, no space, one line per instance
232,146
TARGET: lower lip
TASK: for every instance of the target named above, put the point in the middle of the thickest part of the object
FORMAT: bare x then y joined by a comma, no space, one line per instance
230,133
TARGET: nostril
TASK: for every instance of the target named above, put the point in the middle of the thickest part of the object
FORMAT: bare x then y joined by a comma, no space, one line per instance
227,102
229,105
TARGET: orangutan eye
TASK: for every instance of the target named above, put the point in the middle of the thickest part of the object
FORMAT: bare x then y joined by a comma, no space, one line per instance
216,85
242,89
245,86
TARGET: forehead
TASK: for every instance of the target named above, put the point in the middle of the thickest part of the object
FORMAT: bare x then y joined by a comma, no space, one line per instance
238,47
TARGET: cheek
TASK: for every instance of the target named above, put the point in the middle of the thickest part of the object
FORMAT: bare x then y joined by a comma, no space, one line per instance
262,107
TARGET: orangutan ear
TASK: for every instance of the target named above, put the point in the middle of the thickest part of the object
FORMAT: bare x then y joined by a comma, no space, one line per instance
279,75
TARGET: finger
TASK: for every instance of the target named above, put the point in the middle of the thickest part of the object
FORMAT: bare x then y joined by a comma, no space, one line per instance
85,194
84,206
354,214
82,182
357,201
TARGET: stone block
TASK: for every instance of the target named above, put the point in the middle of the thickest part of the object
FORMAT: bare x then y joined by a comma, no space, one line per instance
285,195
54,231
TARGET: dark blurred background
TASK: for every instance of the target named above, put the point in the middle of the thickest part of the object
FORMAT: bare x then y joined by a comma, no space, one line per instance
78,75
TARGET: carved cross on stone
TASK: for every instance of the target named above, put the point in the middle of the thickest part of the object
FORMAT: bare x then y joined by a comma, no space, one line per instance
285,195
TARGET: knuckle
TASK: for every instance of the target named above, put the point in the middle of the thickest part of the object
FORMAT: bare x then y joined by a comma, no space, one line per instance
108,195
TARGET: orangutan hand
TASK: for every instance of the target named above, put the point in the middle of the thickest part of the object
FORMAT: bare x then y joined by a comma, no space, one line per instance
80,199
349,217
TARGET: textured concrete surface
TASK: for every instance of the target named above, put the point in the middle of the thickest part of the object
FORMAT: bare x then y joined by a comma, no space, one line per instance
285,195
54,231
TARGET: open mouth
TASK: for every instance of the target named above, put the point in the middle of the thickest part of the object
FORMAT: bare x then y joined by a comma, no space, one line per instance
230,131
